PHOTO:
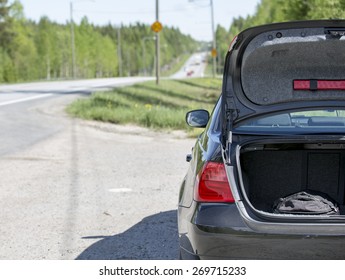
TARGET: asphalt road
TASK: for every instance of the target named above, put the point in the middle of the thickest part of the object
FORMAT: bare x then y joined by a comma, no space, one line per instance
19,122
71,189
193,68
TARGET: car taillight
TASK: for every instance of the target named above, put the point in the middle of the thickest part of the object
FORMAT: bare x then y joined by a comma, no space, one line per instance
212,184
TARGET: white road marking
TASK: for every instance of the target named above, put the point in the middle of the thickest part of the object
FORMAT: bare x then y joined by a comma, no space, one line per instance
26,99
121,190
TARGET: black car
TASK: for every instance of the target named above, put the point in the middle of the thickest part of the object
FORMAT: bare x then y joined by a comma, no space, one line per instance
267,176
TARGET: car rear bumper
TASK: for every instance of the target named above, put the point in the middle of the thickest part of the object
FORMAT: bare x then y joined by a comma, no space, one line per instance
218,232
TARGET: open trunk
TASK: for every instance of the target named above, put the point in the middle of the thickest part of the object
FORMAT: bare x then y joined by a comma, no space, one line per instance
272,171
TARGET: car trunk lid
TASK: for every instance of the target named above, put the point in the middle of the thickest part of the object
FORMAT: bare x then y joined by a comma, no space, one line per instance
283,66
286,64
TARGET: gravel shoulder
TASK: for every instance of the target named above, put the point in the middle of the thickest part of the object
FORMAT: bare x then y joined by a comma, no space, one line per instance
92,191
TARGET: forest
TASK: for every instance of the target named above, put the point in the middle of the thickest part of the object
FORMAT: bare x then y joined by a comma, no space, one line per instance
269,11
43,50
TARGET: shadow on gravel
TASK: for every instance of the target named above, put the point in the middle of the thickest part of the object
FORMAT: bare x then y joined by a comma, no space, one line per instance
154,238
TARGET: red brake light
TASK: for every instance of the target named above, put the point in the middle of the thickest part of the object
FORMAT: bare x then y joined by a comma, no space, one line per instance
212,184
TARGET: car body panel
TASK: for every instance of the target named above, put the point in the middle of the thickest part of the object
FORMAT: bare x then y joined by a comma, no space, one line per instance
212,235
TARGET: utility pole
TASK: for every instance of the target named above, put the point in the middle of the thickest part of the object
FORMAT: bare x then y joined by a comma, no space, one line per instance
214,47
157,46
144,52
72,42
157,27
119,51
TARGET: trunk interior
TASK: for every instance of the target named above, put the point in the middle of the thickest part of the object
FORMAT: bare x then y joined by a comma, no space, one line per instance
273,171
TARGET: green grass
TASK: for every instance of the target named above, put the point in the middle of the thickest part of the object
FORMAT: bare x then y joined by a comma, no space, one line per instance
146,104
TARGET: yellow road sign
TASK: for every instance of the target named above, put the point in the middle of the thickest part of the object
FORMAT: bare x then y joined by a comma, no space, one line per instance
214,53
156,26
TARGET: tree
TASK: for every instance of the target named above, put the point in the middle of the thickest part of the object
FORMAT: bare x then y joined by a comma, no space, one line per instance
34,51
6,33
223,41
44,43
326,9
269,11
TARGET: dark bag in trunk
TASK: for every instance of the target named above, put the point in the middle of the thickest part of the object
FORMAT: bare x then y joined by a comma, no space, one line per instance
306,203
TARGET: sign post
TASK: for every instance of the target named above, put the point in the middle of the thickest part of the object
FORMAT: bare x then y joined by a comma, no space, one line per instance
157,27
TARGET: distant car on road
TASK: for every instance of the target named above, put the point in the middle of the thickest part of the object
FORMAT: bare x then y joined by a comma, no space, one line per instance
276,134
197,60
190,73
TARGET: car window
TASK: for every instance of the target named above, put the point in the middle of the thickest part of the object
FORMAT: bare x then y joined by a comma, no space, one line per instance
216,126
297,122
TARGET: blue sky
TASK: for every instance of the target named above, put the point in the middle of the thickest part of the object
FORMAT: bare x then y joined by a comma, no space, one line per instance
190,16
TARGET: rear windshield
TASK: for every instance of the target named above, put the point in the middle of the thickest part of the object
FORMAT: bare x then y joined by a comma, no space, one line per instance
297,122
